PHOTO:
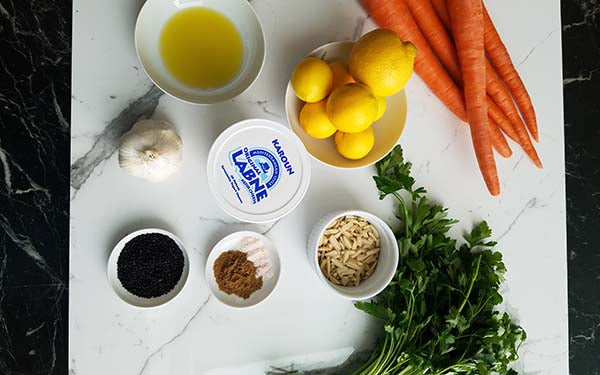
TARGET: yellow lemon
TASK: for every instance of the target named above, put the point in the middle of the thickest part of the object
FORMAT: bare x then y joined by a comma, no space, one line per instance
341,75
355,146
352,108
382,61
312,80
381,107
314,120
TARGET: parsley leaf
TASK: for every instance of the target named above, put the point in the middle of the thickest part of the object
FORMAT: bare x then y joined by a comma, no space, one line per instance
439,310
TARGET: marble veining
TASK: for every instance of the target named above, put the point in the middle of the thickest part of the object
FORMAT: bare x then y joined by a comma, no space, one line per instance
175,337
107,142
581,63
35,59
35,181
532,50
185,339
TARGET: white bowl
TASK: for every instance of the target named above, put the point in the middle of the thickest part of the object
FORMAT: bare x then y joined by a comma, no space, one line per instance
387,129
150,22
386,264
132,299
234,242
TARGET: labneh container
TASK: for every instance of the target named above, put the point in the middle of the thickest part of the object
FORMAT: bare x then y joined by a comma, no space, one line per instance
258,170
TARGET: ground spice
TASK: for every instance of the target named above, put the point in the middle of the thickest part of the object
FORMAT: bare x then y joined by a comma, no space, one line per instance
150,265
235,274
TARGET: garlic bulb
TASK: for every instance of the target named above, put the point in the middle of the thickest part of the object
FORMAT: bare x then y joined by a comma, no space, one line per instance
151,150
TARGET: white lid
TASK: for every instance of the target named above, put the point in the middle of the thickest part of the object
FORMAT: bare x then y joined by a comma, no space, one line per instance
258,170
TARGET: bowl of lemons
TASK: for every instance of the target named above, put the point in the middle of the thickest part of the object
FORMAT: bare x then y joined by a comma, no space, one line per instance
346,102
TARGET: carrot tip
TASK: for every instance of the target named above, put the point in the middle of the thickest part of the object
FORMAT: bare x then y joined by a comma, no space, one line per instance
504,152
494,192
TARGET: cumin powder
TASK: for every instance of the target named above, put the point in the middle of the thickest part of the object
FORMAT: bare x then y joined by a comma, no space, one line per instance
235,274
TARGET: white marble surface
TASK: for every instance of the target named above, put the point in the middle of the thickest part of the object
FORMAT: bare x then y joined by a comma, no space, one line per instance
302,324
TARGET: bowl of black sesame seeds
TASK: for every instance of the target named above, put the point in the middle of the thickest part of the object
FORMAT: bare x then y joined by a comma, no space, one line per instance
148,268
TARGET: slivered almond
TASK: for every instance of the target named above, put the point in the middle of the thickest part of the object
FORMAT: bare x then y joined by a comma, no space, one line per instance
334,242
349,250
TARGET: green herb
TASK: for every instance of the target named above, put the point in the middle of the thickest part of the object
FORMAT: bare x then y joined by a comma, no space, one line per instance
438,311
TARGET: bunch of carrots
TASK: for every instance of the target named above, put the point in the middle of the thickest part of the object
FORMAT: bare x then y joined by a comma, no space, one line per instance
464,62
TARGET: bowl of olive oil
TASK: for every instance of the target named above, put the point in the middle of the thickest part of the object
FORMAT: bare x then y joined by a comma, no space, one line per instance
201,52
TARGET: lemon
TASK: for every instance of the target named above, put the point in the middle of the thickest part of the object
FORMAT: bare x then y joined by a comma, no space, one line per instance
352,108
382,61
355,145
314,120
312,80
341,75
381,107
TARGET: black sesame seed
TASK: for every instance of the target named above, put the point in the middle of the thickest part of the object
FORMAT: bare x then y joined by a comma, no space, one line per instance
150,265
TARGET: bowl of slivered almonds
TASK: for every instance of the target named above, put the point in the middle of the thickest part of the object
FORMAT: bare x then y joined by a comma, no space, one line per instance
354,253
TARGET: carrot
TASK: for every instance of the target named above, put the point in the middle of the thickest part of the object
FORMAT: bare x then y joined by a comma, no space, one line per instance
430,24
501,60
466,18
498,141
501,96
439,40
501,121
442,11
395,15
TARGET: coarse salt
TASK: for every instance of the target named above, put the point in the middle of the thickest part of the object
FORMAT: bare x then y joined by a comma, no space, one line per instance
256,253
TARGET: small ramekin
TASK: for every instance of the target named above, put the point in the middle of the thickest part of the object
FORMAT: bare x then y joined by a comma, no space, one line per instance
386,265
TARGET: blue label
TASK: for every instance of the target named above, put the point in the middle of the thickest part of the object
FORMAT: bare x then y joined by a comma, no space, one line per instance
258,169
284,160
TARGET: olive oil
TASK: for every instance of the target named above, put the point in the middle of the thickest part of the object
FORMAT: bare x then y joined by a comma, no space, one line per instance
201,47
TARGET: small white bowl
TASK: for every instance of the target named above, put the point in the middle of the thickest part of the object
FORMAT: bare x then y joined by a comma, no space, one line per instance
387,129
132,299
386,264
153,16
234,242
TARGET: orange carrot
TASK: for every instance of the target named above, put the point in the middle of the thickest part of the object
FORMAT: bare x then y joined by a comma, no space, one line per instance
501,96
466,18
498,141
439,40
395,15
500,119
430,24
432,27
499,56
442,11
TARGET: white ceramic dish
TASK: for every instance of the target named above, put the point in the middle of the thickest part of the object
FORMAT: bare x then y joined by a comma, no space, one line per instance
386,265
234,242
387,129
154,15
134,300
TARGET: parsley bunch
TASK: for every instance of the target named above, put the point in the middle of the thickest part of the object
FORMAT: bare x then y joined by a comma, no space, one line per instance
438,311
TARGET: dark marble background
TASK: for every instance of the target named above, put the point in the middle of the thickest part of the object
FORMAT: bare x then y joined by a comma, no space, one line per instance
35,96
35,55
581,73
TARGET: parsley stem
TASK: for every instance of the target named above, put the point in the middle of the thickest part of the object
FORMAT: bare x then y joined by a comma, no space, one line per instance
473,279
405,213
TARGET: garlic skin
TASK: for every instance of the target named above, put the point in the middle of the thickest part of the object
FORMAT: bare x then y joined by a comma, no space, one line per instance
151,150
